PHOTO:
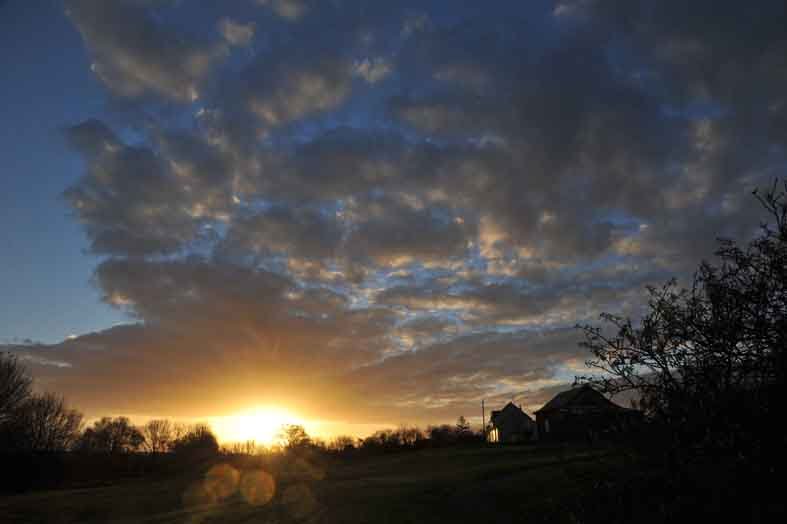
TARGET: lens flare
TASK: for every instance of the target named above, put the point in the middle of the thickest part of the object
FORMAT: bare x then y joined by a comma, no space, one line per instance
257,487
305,469
197,495
222,481
298,501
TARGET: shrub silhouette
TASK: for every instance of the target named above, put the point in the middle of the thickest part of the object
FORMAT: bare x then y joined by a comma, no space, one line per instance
112,436
709,362
198,442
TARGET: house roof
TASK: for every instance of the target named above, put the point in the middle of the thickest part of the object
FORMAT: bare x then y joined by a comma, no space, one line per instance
585,394
508,407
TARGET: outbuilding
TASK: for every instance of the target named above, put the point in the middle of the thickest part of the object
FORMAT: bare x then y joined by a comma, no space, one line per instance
581,413
510,425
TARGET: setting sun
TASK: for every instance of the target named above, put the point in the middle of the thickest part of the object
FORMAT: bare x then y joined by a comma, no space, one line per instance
261,424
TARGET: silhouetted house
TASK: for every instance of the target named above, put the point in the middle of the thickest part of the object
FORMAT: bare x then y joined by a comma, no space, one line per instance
581,413
511,424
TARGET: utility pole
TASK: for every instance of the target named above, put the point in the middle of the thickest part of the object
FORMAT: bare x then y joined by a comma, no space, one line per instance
483,420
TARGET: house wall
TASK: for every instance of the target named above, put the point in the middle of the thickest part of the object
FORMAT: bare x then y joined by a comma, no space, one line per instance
567,425
510,428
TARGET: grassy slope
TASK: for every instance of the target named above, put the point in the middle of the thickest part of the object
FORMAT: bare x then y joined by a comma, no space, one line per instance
527,484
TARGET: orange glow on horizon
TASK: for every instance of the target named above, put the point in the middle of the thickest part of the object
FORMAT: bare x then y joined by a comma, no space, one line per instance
261,424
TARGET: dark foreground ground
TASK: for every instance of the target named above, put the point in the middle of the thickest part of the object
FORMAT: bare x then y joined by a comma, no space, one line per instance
510,484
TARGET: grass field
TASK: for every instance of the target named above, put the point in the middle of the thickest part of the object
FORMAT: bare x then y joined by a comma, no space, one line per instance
509,484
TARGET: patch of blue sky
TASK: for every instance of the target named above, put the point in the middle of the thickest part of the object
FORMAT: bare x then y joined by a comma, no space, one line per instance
568,373
604,262
446,315
339,289
275,263
257,205
619,219
442,215
358,302
130,135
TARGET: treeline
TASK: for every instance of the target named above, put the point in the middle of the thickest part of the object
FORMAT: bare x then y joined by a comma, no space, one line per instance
403,438
31,422
43,423
44,443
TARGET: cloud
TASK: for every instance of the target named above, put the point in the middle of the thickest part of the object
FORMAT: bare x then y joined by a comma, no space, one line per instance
398,246
372,71
559,300
290,9
208,330
461,372
285,92
414,23
236,33
129,200
395,231
306,233
133,55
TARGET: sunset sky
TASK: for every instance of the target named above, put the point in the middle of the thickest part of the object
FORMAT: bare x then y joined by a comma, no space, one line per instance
355,213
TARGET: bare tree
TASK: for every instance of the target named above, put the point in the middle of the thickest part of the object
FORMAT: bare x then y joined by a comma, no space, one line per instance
409,436
159,435
199,441
15,384
343,443
111,435
46,424
294,436
179,430
442,435
249,447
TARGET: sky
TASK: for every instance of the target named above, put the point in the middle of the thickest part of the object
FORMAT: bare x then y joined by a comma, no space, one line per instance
358,214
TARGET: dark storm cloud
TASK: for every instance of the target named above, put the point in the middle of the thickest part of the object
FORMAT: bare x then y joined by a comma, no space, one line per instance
407,204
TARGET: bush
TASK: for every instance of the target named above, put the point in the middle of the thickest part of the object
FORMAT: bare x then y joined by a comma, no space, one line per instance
198,443
709,364
112,436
